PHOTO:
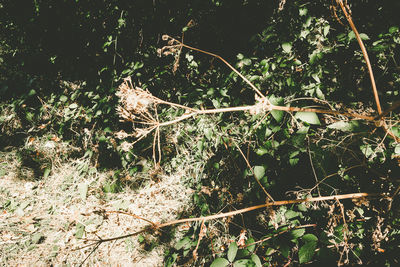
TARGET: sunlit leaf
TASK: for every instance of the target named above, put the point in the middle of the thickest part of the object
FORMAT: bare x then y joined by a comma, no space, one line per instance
232,251
287,47
244,263
220,262
259,172
309,117
307,251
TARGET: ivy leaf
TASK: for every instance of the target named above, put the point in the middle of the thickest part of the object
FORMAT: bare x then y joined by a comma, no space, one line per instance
309,117
220,262
232,251
244,263
287,47
259,172
310,238
276,114
256,260
352,126
307,251
297,233
250,241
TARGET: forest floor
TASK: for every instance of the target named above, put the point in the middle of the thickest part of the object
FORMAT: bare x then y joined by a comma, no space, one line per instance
47,220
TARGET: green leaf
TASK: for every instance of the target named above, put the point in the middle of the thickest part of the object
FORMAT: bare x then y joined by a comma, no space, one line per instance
244,263
396,150
83,189
63,98
290,214
171,260
351,35
208,133
293,161
256,260
232,251
220,262
326,29
393,29
297,233
140,239
80,230
121,204
46,173
184,243
363,36
216,103
262,151
37,238
303,11
250,241
395,130
73,106
310,238
285,250
259,172
352,126
302,207
307,251
287,47
276,114
309,117
247,61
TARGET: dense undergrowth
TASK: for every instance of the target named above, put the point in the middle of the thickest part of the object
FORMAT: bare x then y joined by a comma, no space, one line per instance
299,54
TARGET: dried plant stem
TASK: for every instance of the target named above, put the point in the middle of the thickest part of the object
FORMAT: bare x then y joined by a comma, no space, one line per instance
334,174
269,204
224,61
207,111
383,114
371,74
236,212
271,107
323,111
365,54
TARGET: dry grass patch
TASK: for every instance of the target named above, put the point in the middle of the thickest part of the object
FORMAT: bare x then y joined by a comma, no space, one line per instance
44,221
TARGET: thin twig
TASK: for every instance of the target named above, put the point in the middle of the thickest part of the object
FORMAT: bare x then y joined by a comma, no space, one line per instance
223,60
252,171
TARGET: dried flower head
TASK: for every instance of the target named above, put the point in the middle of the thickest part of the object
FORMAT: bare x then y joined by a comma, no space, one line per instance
121,134
262,105
126,146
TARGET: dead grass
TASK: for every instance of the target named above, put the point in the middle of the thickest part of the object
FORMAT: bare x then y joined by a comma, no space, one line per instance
41,220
